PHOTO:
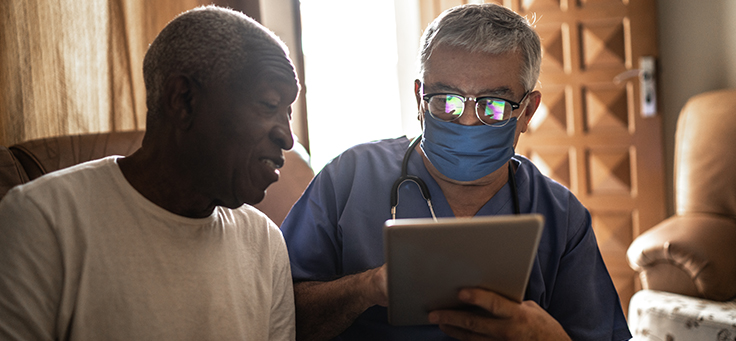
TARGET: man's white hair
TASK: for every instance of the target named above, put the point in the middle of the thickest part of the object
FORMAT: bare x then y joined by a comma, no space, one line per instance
211,45
489,28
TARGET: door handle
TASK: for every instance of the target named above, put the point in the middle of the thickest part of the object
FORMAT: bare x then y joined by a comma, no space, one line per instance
647,84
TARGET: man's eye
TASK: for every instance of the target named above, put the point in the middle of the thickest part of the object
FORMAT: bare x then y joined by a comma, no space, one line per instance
269,106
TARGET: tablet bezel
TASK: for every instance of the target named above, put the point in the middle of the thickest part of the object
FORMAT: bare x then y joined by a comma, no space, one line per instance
428,261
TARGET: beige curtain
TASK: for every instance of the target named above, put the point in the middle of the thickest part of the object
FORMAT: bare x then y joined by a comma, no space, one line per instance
70,67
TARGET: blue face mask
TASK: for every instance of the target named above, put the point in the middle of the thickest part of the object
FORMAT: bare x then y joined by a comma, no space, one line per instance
467,153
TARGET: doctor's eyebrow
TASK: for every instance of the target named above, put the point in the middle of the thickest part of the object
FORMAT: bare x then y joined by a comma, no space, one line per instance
444,88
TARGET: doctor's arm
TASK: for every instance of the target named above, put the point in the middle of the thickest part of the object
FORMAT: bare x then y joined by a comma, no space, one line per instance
326,309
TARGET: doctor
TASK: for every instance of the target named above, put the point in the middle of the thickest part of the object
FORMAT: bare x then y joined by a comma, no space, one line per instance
476,95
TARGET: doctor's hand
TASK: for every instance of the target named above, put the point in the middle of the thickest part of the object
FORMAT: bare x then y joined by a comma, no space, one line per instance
377,285
502,319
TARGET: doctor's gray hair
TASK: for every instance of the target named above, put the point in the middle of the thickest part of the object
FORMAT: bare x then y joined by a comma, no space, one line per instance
488,28
210,45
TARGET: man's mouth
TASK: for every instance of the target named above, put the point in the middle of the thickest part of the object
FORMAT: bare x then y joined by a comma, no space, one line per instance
272,163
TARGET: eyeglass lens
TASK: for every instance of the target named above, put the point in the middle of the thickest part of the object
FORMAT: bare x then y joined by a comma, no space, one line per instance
450,107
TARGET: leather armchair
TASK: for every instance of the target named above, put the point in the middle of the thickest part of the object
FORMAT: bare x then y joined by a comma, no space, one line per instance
28,160
687,261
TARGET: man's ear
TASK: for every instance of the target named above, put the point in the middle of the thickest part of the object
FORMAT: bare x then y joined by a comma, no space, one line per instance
418,96
180,94
534,99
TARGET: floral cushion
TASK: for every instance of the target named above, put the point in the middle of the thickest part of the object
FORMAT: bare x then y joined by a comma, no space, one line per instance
658,315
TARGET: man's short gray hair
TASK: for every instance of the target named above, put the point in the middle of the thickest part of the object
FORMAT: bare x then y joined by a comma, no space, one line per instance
211,45
489,28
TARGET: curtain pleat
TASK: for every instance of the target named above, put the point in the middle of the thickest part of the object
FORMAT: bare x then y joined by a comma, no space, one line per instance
72,67
53,66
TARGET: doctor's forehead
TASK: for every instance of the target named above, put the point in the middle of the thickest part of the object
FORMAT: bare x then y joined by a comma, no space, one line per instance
456,69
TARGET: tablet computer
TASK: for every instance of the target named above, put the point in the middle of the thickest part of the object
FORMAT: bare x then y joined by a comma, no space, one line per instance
428,261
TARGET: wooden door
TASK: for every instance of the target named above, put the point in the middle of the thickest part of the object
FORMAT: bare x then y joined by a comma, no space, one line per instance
589,133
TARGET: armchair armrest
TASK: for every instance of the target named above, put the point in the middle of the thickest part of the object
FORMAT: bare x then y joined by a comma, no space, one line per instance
689,255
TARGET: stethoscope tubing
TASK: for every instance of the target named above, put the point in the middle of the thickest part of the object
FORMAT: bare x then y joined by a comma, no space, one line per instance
412,178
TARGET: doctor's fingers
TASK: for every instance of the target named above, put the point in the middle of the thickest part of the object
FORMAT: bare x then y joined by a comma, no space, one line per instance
492,302
507,320
465,325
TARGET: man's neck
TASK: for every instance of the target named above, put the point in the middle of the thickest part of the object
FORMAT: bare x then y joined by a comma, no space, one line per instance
158,180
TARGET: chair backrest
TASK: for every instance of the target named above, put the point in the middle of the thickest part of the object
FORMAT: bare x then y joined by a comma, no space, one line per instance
42,156
11,171
28,160
705,155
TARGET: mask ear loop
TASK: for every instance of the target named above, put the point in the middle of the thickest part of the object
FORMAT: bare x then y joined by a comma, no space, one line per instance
413,178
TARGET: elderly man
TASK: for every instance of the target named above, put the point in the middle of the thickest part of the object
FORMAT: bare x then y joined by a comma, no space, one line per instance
475,95
160,245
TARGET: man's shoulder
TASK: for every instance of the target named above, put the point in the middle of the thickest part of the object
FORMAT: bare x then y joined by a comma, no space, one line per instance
247,216
547,191
74,179
249,213
378,147
370,154
549,197
254,227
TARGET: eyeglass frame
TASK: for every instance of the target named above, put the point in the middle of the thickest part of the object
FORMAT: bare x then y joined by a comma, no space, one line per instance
514,105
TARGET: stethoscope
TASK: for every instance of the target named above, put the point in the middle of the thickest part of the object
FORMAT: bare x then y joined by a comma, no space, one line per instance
425,190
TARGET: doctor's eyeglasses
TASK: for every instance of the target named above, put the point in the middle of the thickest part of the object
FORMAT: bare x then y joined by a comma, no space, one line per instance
492,111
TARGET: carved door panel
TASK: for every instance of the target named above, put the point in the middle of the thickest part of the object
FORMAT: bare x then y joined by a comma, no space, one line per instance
590,133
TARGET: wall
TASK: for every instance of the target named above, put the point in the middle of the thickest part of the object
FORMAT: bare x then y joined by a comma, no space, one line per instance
408,31
697,48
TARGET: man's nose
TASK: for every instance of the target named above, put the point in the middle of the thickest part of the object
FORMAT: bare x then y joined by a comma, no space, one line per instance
281,134
469,116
